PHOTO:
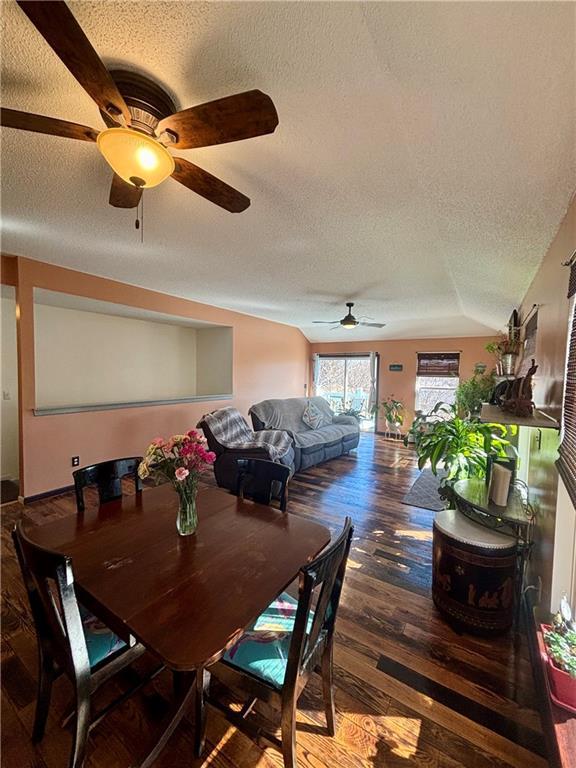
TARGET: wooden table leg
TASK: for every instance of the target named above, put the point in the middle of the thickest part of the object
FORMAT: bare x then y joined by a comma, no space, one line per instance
202,686
180,713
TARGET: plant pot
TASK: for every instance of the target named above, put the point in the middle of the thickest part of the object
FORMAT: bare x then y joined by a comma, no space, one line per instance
562,685
508,363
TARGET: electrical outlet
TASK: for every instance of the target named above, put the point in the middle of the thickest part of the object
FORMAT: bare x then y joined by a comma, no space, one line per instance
75,461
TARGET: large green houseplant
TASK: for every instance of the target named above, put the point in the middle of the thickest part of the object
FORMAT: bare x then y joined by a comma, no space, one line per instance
472,392
460,446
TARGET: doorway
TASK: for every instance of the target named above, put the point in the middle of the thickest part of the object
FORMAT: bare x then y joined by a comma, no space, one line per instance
345,381
10,448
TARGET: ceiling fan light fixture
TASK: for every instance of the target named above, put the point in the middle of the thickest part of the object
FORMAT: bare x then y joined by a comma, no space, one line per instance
349,323
132,154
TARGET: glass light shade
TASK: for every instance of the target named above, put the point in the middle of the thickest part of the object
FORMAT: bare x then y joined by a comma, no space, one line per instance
349,325
134,155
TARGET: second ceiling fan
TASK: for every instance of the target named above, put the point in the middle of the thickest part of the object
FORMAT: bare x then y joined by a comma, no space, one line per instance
141,118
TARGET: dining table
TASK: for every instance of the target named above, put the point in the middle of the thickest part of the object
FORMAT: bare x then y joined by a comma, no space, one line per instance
187,599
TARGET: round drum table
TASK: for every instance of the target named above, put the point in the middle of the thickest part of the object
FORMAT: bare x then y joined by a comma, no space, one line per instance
473,573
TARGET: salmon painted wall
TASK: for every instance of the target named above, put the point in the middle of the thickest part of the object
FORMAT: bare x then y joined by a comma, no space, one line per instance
270,360
403,384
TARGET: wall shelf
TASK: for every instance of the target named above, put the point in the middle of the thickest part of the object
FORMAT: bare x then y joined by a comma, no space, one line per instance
539,419
61,409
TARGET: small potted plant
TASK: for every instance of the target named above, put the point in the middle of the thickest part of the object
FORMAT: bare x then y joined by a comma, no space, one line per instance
506,350
393,411
560,656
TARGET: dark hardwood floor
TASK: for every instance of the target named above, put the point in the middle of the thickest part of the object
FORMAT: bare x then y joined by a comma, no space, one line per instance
410,690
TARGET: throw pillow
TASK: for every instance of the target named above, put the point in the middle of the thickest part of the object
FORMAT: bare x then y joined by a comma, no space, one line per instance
313,416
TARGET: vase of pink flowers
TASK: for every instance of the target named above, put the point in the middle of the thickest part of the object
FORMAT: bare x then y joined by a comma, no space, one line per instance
181,459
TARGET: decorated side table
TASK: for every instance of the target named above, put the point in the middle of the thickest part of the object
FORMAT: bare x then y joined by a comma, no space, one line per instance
473,573
480,552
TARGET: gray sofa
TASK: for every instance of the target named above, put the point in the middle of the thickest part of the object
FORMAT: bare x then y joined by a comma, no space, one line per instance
338,435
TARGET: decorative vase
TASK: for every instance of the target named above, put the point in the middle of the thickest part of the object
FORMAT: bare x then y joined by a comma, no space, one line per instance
508,364
187,520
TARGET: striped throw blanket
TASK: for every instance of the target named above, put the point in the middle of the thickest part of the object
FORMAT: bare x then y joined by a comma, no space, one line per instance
230,429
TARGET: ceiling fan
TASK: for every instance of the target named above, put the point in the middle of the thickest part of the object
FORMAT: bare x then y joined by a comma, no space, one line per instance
141,118
349,321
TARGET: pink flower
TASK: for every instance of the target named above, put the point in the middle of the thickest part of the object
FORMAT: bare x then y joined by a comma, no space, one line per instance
187,449
158,442
181,473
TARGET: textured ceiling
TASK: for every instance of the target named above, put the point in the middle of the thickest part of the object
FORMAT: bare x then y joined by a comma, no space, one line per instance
424,158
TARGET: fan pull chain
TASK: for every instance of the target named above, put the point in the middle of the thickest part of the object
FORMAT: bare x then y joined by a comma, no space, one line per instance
139,223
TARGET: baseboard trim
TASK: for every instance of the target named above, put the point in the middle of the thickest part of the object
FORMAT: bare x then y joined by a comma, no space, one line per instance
46,494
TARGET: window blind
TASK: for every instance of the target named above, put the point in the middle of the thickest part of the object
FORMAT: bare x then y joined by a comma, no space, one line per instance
567,462
438,364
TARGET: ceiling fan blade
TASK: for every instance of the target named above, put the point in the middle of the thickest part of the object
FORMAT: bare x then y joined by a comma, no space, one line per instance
57,25
208,186
326,322
27,121
242,116
122,194
373,325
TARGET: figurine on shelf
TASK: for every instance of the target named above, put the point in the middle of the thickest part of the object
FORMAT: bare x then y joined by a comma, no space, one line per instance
518,401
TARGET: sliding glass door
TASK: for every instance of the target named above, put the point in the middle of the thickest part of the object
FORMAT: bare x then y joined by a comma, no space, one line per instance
346,382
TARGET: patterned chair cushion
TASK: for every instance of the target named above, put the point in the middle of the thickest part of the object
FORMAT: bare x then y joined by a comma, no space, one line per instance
263,648
100,640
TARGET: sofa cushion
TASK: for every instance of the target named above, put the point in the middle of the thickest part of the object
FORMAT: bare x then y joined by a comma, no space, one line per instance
324,436
287,413
314,417
345,430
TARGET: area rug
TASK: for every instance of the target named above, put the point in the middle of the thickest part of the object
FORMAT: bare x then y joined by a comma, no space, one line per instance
424,492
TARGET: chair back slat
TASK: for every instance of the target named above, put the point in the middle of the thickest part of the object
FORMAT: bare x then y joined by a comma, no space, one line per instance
324,574
49,582
262,480
107,476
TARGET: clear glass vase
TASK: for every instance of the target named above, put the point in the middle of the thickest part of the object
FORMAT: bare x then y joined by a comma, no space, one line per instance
187,520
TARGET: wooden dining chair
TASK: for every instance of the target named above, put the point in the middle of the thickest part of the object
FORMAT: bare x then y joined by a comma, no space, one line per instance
273,660
71,641
262,481
107,476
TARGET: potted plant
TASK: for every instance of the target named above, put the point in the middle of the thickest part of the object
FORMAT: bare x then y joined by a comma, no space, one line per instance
393,412
471,393
506,349
461,446
560,657
355,412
